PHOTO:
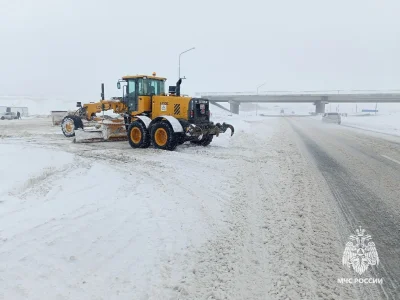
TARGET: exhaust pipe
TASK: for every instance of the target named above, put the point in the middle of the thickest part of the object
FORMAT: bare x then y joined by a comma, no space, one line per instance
102,91
178,87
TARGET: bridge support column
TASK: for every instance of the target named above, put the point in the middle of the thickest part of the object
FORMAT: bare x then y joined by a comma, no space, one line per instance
234,107
320,105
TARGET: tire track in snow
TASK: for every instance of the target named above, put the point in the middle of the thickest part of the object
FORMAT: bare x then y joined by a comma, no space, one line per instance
360,205
265,248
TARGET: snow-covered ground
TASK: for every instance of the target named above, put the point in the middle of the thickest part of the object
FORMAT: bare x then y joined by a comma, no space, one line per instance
240,219
75,218
105,221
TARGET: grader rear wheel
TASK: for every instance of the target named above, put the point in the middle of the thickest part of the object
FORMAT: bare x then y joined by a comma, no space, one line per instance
138,136
163,136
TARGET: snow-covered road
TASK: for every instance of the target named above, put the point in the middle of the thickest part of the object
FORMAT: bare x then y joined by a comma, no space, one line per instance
249,217
362,172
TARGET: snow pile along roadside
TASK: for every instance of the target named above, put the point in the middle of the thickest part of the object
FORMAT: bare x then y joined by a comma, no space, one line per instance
38,105
389,124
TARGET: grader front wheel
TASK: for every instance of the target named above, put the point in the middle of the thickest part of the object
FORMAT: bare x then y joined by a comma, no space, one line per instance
69,124
138,136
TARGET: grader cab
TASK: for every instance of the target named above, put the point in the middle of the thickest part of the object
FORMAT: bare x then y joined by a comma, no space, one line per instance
147,116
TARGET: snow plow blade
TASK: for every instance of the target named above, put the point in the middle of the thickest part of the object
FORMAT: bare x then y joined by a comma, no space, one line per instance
102,132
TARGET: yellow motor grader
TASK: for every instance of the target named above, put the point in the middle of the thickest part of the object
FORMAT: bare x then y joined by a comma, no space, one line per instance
147,116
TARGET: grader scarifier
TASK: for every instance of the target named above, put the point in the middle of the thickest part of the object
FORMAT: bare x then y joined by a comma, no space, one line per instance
147,116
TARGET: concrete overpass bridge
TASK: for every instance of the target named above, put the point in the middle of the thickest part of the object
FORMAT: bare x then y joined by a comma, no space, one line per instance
318,98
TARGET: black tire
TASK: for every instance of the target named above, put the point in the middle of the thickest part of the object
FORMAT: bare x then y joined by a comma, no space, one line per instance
67,122
2,118
138,135
160,132
205,141
181,138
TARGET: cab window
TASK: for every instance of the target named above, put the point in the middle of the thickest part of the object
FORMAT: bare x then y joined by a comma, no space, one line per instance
149,87
131,87
156,87
142,86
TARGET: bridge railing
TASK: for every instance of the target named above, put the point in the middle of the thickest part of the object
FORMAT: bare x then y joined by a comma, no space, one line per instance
316,92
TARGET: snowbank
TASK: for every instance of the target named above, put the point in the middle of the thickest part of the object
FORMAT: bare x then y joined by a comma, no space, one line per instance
389,123
38,105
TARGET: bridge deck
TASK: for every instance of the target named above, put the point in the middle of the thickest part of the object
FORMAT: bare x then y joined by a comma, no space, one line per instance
304,98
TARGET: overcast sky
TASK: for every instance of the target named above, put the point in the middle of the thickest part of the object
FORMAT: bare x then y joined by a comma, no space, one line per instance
67,48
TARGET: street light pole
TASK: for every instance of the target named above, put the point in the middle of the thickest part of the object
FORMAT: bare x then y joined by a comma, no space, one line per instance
180,60
257,94
260,86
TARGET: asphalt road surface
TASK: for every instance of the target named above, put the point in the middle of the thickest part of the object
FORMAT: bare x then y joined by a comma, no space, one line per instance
362,172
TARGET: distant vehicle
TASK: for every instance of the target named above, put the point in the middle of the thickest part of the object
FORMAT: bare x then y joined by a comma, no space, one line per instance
8,116
332,118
